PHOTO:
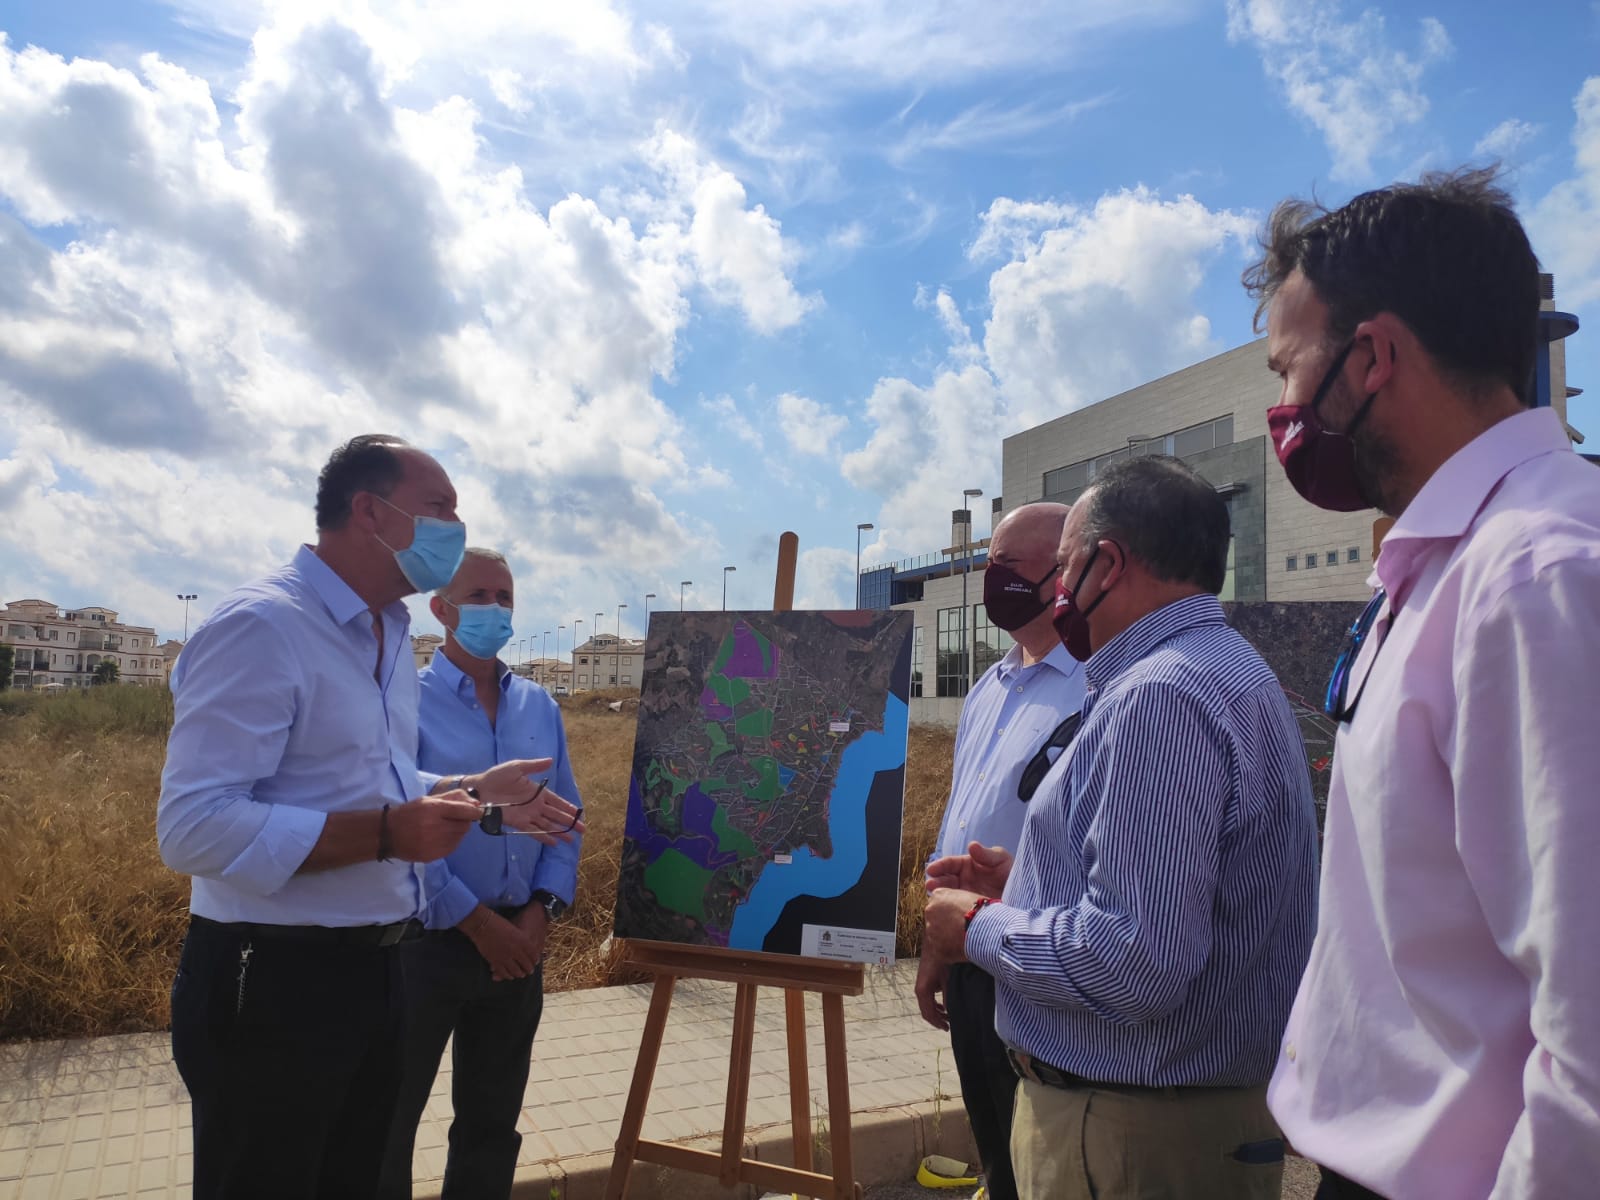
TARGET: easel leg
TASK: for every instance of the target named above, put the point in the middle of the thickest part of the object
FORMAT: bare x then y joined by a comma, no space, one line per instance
843,1167
744,1032
794,1015
644,1074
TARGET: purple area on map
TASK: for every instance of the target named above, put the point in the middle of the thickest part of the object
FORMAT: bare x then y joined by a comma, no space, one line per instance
714,708
746,662
697,842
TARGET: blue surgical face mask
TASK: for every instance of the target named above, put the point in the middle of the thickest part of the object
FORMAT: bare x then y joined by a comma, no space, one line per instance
483,630
436,550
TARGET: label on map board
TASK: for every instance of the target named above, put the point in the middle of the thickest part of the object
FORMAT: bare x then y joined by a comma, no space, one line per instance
783,860
838,726
852,945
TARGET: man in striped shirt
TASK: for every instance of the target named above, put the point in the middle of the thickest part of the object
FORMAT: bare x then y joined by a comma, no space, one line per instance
1147,939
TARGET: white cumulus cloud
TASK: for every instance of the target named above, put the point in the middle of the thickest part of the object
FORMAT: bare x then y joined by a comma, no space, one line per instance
1565,224
809,427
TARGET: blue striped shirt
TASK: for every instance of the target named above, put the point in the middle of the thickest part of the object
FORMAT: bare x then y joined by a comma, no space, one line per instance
1163,900
1009,714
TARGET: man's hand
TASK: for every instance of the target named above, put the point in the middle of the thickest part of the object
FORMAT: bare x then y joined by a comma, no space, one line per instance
549,818
944,926
505,945
428,829
534,922
982,869
931,977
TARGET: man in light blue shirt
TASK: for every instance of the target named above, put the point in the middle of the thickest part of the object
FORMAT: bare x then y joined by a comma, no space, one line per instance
1006,722
477,973
291,795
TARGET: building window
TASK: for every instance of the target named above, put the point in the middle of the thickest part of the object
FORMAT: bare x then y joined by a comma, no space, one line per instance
1353,554
916,661
583,679
1331,558
613,681
1066,479
1292,563
989,643
1311,561
584,661
952,659
627,679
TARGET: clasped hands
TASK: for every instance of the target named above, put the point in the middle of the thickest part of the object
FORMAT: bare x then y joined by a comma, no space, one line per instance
954,883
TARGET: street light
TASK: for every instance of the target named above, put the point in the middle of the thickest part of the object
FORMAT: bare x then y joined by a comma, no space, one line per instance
859,530
725,571
681,586
968,494
648,596
616,659
559,628
186,597
575,625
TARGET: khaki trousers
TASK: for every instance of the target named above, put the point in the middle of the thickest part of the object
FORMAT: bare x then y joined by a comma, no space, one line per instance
1142,1144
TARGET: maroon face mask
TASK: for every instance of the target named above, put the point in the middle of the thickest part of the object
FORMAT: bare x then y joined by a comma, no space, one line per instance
1010,600
1320,462
1071,622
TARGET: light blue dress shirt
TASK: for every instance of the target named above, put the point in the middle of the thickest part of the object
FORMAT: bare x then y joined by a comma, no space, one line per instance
1008,715
280,720
457,739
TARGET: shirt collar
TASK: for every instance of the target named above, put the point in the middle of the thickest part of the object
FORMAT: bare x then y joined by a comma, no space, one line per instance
452,676
1148,632
1057,660
1455,494
337,596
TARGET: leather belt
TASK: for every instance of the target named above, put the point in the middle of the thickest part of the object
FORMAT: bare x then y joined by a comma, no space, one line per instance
377,936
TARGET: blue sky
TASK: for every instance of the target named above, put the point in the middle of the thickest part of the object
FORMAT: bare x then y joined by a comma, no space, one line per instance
659,281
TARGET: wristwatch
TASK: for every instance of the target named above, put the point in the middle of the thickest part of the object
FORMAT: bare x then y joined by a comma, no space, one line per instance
552,904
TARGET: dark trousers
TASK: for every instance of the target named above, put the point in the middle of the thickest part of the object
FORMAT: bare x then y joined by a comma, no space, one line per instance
988,1084
449,991
290,1050
1335,1186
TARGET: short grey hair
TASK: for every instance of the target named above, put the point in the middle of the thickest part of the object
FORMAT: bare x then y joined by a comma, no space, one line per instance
473,552
1166,515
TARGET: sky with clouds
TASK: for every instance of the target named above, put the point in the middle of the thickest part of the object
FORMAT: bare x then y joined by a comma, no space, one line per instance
659,281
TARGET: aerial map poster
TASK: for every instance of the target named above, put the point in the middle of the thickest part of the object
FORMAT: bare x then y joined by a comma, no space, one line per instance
768,778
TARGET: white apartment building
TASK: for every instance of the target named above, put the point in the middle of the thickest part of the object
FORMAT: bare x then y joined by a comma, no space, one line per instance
607,661
58,648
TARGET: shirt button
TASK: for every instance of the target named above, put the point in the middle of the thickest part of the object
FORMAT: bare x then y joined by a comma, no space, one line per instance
1289,1051
999,731
980,776
1019,688
963,824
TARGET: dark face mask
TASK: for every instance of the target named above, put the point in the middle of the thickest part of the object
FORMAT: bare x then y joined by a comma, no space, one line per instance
1071,622
1010,600
1320,462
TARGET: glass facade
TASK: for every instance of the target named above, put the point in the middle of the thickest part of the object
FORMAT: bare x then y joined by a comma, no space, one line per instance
952,660
916,661
1196,439
990,643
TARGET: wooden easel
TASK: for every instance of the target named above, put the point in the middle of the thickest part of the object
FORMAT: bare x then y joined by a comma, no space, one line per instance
749,970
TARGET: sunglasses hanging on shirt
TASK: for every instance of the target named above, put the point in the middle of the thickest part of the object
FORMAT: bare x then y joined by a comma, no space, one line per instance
1039,765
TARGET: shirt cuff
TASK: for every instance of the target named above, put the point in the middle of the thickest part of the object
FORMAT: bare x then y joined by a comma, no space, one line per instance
430,781
283,843
556,878
986,935
451,906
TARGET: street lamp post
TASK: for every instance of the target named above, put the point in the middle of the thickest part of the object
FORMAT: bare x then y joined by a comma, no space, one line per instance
559,629
648,596
575,625
725,571
967,495
595,637
544,659
859,530
186,597
681,586
616,659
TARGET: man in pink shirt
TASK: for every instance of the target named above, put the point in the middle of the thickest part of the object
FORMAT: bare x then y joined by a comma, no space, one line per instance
1445,1041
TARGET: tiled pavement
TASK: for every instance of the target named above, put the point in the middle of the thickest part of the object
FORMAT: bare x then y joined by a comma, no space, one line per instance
108,1117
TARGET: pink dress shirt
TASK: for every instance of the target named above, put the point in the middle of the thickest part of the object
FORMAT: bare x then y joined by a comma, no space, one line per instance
1445,1041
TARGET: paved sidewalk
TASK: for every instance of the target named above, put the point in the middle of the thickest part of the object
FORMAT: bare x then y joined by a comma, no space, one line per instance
108,1117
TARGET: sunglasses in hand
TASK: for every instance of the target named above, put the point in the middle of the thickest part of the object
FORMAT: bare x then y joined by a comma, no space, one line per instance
493,820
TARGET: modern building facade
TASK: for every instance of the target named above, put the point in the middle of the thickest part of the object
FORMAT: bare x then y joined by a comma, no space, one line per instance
59,648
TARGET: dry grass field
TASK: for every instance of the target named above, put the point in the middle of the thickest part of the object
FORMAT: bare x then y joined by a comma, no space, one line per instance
91,920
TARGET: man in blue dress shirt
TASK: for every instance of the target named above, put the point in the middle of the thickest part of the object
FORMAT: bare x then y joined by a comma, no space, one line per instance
291,795
1149,935
477,973
1007,720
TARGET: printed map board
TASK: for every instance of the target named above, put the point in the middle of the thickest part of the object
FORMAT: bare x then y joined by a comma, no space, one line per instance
768,778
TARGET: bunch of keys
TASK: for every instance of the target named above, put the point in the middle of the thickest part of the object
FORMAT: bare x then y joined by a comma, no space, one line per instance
493,820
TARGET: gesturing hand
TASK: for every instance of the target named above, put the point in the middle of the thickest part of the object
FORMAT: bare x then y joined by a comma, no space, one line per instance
509,951
428,829
982,869
527,805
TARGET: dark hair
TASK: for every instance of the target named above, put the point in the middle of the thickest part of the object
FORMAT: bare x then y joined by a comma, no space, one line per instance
1446,255
363,464
1166,515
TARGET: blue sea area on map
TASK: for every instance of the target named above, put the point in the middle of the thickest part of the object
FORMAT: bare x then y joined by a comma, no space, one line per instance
809,875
